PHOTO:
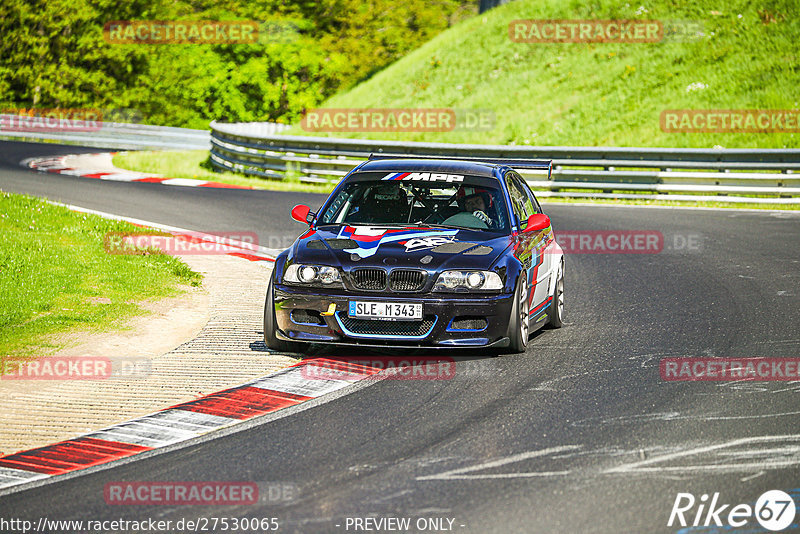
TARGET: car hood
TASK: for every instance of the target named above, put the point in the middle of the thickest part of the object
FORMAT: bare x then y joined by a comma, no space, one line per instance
414,246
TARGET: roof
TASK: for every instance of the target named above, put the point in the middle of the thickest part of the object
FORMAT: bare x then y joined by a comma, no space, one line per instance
452,166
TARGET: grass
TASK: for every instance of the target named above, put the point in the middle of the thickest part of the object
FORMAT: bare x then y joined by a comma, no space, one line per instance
597,94
194,164
56,278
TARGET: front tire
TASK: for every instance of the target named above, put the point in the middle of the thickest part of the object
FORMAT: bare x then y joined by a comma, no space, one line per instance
271,325
519,327
555,314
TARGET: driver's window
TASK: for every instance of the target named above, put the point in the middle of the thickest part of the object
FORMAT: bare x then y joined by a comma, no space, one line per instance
531,206
519,200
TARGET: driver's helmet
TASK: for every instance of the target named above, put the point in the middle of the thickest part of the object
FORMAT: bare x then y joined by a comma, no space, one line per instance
465,192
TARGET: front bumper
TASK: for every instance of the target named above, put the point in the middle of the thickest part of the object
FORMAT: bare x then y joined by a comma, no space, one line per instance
302,315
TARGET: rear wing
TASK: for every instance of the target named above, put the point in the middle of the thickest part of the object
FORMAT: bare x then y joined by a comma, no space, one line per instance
531,164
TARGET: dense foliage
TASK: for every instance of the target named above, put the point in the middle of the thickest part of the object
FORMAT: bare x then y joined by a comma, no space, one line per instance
54,55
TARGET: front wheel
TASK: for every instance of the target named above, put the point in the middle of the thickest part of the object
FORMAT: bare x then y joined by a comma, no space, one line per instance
271,325
519,327
555,313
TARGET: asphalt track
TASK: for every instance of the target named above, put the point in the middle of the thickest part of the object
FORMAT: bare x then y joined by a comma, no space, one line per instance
580,434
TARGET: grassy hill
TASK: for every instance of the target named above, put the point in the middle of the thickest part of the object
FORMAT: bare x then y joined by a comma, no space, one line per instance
603,94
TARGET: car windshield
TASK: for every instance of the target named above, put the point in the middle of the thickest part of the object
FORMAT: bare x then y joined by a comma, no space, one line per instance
471,203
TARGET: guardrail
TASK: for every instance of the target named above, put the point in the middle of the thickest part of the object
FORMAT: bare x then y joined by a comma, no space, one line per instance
663,173
671,173
117,135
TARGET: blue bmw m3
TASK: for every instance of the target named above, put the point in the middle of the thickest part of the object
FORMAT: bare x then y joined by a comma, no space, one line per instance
435,253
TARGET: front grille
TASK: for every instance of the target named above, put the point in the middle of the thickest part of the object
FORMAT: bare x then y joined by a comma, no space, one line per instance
368,279
388,328
407,280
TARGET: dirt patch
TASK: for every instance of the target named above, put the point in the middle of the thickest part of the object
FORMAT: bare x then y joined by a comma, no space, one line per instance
206,340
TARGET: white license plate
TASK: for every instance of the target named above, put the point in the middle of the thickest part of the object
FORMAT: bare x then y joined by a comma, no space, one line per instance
399,311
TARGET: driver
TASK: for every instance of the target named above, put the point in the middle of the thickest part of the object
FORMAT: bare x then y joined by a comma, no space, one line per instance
477,204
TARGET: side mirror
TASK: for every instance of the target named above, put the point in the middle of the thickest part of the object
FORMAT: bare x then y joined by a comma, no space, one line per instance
302,213
536,222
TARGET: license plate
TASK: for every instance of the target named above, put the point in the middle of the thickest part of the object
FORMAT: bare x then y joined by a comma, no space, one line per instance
397,311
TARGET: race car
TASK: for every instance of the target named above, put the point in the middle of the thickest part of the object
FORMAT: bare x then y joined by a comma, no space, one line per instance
413,252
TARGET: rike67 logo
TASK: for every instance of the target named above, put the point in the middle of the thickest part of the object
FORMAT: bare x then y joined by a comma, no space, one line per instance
774,510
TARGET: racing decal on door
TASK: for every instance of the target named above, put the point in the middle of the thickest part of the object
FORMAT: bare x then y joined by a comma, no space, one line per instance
370,238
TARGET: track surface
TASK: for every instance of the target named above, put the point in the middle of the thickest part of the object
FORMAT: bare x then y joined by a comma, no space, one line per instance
545,442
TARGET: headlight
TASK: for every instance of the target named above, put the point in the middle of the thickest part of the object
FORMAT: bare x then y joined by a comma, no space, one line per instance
475,280
311,274
464,281
307,274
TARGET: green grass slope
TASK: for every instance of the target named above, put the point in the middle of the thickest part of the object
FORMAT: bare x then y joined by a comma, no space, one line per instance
56,277
598,94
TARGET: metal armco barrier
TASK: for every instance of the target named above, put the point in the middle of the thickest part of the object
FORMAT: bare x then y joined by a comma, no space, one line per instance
663,173
119,135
